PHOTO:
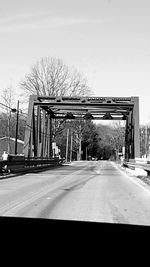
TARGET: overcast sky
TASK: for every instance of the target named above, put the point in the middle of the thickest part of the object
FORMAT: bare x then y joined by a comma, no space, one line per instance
107,40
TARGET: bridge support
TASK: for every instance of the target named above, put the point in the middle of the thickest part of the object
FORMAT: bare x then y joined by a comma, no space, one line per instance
38,132
43,109
132,137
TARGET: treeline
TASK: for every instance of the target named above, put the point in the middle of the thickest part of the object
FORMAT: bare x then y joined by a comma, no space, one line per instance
91,140
52,77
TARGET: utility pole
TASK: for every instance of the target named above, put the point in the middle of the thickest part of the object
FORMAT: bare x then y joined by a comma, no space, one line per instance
9,120
80,138
8,129
71,148
67,145
17,128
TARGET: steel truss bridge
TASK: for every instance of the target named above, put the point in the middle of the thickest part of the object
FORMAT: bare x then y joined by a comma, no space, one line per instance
42,110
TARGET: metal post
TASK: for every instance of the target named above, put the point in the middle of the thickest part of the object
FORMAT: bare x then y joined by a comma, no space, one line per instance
17,128
80,137
146,142
126,140
28,131
38,130
136,127
50,142
43,132
67,145
34,135
9,117
47,137
71,148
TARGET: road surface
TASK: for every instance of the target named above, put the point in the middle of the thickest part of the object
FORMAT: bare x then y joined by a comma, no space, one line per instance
85,191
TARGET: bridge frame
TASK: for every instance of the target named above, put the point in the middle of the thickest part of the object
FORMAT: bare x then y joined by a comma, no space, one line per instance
42,110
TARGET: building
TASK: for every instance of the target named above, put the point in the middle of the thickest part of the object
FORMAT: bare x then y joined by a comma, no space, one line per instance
4,146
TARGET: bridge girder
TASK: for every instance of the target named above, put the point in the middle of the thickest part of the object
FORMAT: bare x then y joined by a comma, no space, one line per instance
43,109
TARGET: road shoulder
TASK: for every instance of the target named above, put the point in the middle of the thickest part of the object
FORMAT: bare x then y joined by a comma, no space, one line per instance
141,180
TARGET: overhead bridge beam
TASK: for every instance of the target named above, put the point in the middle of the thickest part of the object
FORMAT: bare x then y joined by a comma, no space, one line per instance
42,110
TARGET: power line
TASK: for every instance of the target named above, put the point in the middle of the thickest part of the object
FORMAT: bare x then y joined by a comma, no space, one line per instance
14,109
5,105
25,115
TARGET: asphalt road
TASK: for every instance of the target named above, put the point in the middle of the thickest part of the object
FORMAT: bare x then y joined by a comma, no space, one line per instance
96,191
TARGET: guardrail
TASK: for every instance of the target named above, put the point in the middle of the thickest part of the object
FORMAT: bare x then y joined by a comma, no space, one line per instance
16,163
132,164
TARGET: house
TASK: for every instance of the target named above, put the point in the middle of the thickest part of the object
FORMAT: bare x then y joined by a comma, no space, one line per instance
4,146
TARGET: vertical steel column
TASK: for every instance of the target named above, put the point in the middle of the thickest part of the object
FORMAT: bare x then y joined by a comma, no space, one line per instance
50,143
28,130
47,137
67,141
130,137
80,140
71,137
148,143
34,135
38,130
136,127
17,119
126,140
43,132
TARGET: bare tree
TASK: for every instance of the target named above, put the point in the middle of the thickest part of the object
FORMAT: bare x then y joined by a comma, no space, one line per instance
51,77
8,98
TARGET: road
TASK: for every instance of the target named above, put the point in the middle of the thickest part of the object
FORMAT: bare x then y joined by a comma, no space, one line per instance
96,191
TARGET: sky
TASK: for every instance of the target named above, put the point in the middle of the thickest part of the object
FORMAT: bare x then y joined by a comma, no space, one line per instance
106,40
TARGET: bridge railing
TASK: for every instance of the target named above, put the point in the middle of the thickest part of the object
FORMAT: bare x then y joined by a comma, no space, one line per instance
139,163
16,163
